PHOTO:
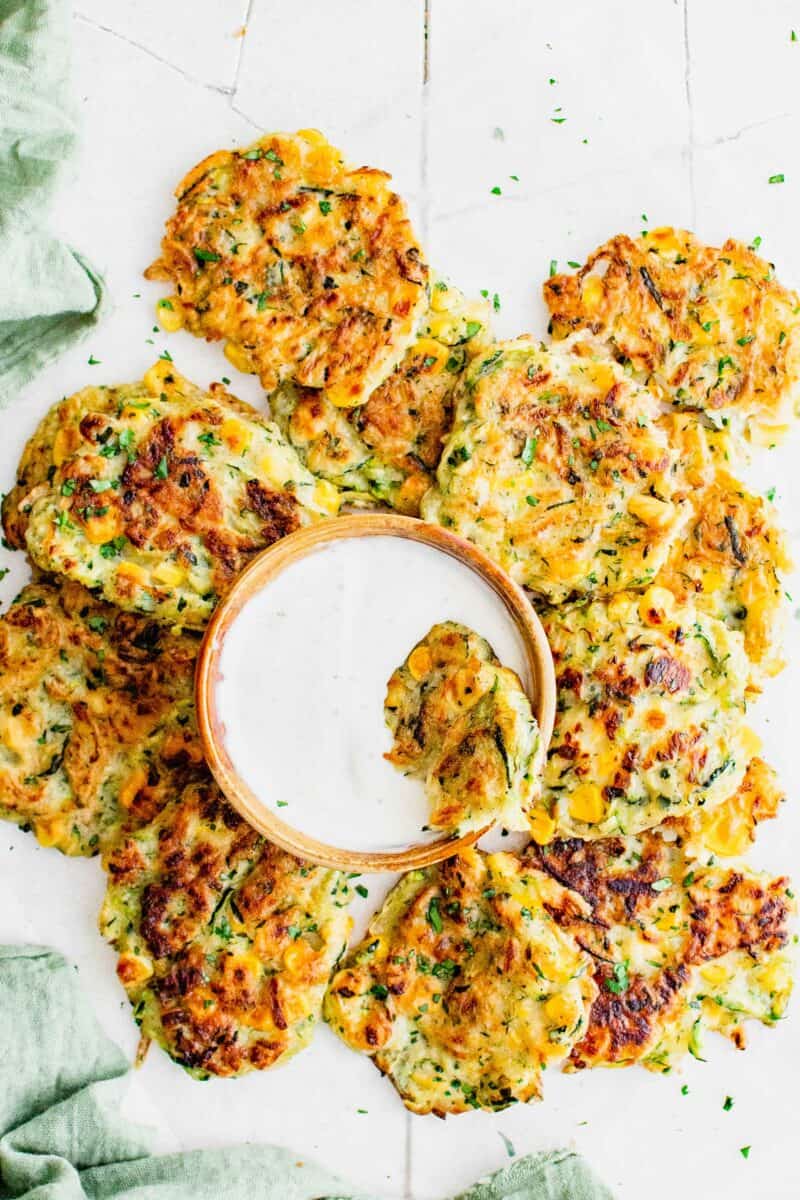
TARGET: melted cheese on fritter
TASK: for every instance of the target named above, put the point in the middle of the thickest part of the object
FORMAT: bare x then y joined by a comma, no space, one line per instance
96,717
557,470
649,723
158,494
679,947
463,723
728,561
465,988
712,328
388,448
308,266
225,942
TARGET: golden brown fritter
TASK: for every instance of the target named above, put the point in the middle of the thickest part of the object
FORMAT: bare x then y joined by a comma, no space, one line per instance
157,493
307,266
728,563
388,448
225,942
729,829
464,987
557,469
97,722
463,723
650,710
712,328
680,946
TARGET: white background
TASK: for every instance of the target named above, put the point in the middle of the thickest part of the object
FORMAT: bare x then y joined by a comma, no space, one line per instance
680,111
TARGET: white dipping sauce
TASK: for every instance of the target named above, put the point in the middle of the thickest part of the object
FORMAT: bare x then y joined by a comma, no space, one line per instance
303,673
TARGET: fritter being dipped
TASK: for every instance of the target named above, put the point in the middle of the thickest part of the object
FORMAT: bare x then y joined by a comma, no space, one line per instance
463,723
307,266
97,725
157,494
225,942
465,987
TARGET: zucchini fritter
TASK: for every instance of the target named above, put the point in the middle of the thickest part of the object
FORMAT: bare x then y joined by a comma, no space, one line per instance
727,563
712,328
556,468
157,494
463,723
649,722
308,266
96,717
388,448
225,942
680,947
465,988
729,829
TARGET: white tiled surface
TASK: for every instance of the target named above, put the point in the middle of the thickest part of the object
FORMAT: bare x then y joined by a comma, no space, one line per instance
687,109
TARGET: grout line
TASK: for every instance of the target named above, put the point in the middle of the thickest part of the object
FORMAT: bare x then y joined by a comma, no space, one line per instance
687,79
209,87
248,12
408,1179
425,120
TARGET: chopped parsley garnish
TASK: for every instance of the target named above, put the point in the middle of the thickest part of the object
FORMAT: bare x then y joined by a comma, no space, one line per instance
728,1105
114,547
325,207
621,981
362,891
205,256
434,917
779,178
162,470
529,450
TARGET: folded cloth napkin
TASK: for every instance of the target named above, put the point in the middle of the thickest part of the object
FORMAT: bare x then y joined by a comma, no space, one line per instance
62,1136
50,296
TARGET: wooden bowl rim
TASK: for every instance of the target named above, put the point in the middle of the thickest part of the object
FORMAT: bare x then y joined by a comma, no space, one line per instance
261,571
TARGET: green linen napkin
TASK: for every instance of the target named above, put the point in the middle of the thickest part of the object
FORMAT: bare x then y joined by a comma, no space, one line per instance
49,295
62,1136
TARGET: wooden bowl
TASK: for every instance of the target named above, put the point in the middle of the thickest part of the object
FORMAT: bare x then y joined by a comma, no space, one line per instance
257,575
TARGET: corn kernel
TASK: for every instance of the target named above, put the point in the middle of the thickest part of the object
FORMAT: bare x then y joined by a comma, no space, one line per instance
542,827
168,573
657,514
343,395
162,377
170,314
133,573
656,606
50,830
592,291
559,1010
432,354
587,804
618,606
239,358
103,529
312,136
419,662
327,497
297,956
132,968
132,786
